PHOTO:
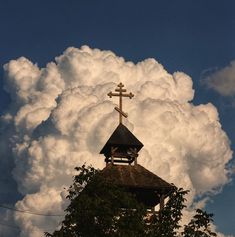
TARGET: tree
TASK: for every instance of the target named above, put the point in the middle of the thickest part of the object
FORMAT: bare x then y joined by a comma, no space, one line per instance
199,226
102,209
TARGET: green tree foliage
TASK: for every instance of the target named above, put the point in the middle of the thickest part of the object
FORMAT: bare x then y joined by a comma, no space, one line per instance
167,223
199,226
102,209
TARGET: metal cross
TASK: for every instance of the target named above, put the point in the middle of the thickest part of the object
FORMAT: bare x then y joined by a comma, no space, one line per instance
120,94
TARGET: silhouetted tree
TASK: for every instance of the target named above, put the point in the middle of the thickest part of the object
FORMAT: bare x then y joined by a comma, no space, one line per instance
102,209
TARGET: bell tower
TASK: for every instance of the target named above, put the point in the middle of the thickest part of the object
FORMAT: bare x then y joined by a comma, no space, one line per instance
121,152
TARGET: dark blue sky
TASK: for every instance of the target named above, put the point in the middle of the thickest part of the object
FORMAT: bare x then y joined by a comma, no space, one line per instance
184,35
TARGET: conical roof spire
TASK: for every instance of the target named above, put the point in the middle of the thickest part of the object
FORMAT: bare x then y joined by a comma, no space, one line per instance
122,146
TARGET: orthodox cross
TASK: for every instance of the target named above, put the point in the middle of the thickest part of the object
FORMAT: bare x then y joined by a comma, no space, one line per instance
120,93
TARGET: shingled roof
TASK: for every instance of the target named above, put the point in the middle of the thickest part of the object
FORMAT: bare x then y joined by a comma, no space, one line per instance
121,137
135,176
143,183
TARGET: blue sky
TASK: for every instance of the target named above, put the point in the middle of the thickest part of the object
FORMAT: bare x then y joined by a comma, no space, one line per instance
184,35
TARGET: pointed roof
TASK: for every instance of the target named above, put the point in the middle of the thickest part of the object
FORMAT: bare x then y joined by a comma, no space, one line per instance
121,137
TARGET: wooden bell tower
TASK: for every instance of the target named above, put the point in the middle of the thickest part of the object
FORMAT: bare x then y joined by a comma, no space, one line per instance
121,152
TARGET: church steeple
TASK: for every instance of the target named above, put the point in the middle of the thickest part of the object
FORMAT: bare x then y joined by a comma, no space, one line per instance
122,146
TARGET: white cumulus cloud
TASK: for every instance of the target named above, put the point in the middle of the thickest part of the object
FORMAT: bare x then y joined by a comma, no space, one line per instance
61,117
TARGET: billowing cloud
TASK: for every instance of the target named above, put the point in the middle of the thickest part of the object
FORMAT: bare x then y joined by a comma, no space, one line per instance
222,80
61,117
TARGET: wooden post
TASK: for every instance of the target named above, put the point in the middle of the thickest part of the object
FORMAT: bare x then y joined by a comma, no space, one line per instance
153,210
162,198
112,154
135,161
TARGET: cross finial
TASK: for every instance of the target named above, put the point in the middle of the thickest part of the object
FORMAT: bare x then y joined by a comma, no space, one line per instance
120,93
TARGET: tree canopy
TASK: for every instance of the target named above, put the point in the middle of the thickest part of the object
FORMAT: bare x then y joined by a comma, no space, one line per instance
102,209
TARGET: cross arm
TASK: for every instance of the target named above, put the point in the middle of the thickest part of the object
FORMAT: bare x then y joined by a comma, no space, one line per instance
110,94
121,112
130,95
